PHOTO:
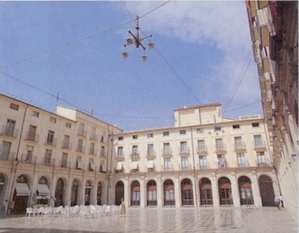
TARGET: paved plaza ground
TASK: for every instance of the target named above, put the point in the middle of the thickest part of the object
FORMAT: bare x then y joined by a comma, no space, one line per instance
162,220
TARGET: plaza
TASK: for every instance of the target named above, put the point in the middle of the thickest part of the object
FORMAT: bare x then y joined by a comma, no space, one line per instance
217,220
208,171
